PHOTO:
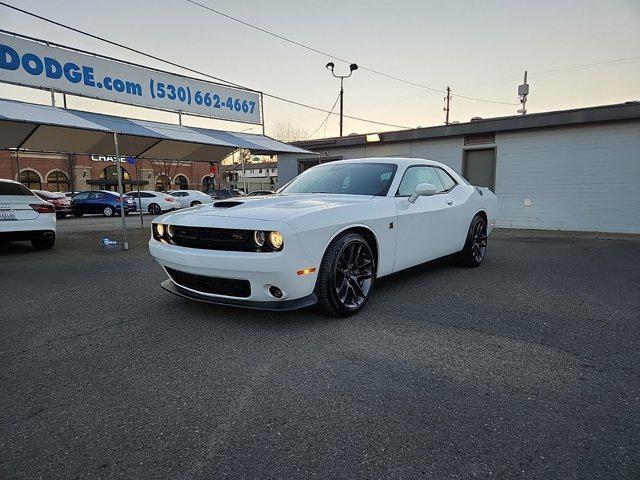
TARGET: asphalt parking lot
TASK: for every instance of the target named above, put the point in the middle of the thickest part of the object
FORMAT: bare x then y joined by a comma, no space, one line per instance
527,367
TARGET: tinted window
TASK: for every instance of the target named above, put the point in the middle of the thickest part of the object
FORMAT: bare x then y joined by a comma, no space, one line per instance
416,175
132,195
7,188
447,181
147,195
345,178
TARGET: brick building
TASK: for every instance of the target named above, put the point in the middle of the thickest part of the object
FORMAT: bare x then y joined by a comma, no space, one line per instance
62,172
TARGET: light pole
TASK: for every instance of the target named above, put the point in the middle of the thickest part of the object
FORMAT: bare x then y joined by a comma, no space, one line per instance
352,68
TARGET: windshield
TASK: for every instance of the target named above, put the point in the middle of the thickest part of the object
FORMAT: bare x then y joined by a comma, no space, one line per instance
344,178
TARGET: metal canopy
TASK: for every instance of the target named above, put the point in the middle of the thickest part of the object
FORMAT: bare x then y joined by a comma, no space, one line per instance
43,128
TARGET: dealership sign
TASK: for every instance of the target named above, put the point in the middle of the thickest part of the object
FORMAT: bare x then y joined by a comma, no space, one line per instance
34,64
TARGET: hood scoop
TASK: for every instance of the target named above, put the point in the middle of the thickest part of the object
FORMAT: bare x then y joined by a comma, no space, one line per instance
227,204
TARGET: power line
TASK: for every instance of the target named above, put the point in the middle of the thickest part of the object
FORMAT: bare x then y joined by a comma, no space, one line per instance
335,57
326,119
192,70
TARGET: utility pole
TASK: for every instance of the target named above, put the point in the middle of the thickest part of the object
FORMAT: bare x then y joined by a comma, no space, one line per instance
341,102
523,91
447,107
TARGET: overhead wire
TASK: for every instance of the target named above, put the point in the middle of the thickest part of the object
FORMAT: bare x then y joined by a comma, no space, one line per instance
192,70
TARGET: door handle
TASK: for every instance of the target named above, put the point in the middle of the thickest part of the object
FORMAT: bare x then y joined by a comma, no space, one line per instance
449,202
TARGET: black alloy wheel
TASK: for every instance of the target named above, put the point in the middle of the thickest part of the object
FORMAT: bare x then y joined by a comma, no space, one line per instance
475,247
154,209
346,276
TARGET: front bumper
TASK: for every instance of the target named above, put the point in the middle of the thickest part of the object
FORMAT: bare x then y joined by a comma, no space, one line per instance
261,269
278,305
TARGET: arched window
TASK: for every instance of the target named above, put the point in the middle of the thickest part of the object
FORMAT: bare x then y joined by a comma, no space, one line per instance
162,183
30,179
57,182
181,182
109,178
207,184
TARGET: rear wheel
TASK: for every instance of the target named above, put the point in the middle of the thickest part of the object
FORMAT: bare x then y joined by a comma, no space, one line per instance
108,211
475,248
347,275
194,203
154,209
46,241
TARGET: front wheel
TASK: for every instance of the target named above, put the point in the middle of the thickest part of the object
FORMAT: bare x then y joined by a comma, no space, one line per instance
475,247
347,275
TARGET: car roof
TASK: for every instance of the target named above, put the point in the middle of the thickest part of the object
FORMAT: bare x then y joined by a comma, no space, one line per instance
400,161
8,180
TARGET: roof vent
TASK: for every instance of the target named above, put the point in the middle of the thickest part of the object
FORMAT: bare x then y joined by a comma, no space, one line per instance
476,119
226,204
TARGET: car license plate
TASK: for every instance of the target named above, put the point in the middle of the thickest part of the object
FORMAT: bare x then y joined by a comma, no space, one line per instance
7,213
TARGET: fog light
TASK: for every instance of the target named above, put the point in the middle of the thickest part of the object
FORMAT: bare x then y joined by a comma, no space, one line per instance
275,291
276,240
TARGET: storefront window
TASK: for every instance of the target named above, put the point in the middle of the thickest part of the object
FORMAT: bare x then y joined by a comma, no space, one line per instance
30,179
182,183
57,182
109,179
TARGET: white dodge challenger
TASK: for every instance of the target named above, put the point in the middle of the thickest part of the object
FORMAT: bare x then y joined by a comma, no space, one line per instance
325,237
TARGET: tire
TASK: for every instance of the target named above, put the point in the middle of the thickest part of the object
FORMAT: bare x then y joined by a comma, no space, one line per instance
154,209
44,242
78,215
108,211
348,261
61,215
194,203
475,247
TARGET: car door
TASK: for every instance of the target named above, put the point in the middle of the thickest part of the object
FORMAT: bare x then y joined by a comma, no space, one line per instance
423,227
96,202
81,202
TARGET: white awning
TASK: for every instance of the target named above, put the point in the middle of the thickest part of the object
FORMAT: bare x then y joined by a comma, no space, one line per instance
42,128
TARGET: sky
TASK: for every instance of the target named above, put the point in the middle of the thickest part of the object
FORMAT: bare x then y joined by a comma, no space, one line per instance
479,49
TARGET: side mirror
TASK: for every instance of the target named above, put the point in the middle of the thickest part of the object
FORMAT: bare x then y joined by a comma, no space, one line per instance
422,190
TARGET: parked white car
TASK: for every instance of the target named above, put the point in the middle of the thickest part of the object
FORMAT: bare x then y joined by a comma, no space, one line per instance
155,202
326,237
190,198
26,217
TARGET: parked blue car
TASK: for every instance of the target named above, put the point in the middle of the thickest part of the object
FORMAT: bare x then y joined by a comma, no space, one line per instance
101,201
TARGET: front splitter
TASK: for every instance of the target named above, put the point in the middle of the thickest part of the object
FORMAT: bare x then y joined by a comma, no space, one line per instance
276,305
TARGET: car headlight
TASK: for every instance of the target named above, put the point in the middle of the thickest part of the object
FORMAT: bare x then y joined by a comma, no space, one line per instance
276,240
259,238
159,229
169,230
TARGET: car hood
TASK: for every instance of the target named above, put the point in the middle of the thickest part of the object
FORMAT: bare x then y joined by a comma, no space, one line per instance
281,208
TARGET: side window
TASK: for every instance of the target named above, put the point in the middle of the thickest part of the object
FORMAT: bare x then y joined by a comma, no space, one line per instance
132,195
81,196
416,175
146,195
447,182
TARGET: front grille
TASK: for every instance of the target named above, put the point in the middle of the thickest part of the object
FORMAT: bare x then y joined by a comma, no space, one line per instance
231,287
213,238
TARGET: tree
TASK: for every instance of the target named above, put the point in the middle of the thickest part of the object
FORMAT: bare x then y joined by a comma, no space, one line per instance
286,131
164,171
